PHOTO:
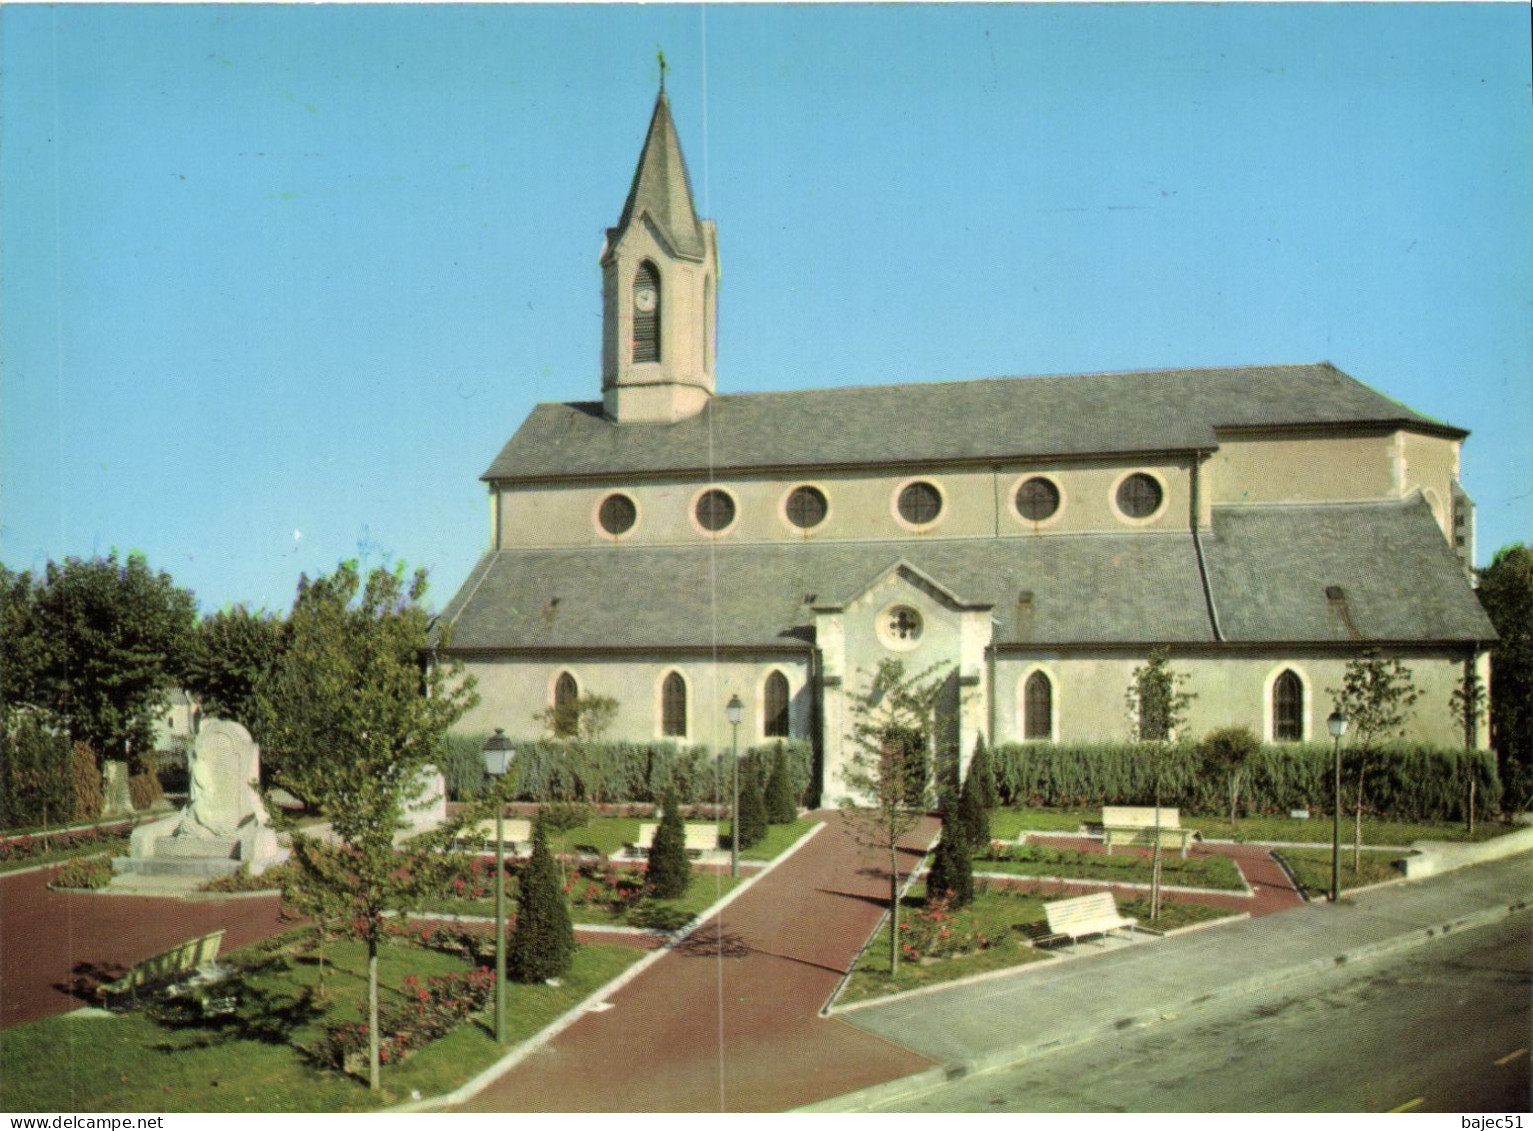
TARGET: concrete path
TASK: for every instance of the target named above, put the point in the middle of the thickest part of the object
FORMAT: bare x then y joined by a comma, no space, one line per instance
729,1021
1046,1006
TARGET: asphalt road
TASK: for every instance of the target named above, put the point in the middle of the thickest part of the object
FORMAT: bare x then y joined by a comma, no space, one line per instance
1441,1028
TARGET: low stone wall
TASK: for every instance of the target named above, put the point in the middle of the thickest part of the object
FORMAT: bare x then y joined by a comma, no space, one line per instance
1433,856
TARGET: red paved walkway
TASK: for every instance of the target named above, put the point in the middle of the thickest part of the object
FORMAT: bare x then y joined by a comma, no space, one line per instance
729,1021
46,937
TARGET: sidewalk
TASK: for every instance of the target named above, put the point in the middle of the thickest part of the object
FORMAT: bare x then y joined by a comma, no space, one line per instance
729,1020
1046,1006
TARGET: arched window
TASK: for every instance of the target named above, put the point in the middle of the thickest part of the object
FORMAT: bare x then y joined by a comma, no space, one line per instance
775,713
646,313
566,691
1038,707
673,706
1287,708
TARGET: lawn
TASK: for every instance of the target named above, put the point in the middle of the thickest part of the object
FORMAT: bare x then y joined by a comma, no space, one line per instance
1006,918
132,1063
609,836
704,889
1217,873
1312,868
1008,824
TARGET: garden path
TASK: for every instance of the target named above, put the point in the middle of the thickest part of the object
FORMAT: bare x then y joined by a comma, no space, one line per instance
48,937
729,1021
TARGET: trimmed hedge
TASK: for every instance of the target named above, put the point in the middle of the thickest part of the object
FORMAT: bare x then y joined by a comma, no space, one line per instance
1404,781
607,772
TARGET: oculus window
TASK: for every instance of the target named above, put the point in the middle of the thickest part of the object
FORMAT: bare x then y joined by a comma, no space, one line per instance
1037,499
715,510
1139,496
807,507
617,514
920,503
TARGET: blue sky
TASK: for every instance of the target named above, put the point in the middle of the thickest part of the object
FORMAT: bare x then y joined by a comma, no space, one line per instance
280,281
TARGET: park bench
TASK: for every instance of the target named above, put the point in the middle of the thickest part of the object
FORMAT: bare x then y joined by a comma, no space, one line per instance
195,956
1083,916
517,832
700,839
1135,825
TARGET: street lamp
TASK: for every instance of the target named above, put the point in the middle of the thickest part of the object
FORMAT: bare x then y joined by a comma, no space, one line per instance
1337,725
734,710
498,756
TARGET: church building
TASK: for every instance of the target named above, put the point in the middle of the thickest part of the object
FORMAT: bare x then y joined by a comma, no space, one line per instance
670,545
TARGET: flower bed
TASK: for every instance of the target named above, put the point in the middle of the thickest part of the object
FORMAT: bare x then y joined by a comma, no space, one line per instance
430,1009
1217,873
39,848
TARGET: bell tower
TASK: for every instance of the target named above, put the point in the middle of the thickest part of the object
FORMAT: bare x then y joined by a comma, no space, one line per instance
660,271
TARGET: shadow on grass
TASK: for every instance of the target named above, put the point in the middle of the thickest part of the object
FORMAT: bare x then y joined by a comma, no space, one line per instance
236,1009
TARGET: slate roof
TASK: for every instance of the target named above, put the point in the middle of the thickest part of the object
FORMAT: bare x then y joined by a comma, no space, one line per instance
998,418
1269,568
662,188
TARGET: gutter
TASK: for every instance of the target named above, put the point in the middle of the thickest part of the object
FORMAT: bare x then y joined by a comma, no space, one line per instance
1197,543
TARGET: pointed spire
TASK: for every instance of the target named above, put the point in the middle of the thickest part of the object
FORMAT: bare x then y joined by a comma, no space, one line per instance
661,187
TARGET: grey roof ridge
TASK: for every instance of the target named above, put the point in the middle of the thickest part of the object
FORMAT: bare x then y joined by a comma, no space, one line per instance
1322,504
906,565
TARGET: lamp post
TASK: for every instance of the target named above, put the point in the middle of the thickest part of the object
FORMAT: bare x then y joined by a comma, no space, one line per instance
1337,725
733,711
498,756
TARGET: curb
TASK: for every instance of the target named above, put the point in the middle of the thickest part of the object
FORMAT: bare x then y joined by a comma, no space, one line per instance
910,1086
520,1053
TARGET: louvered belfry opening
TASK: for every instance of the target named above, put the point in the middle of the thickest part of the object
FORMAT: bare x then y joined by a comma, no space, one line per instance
646,322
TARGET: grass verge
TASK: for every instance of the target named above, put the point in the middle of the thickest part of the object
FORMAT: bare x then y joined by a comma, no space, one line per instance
1215,873
1009,824
250,1062
1007,919
1311,867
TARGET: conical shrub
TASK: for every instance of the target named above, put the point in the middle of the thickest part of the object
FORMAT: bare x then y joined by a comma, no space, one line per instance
669,869
781,805
753,814
543,944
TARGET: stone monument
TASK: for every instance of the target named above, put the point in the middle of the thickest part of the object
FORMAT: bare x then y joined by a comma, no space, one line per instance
429,808
224,826
116,797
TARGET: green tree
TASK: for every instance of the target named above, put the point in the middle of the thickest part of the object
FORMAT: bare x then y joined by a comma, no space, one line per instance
354,717
543,944
231,652
972,812
1506,592
895,721
952,869
753,813
982,770
37,772
1377,696
101,645
1468,705
782,807
669,870
1157,708
1226,753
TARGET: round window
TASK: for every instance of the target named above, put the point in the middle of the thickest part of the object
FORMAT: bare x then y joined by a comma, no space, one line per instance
715,510
807,507
617,514
900,628
1139,496
1037,499
920,503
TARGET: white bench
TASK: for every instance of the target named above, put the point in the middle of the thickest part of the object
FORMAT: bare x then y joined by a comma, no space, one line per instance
1135,825
1086,915
700,839
516,831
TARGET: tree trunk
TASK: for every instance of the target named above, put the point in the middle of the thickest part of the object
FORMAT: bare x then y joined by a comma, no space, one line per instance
1357,822
894,909
373,1080
1155,858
